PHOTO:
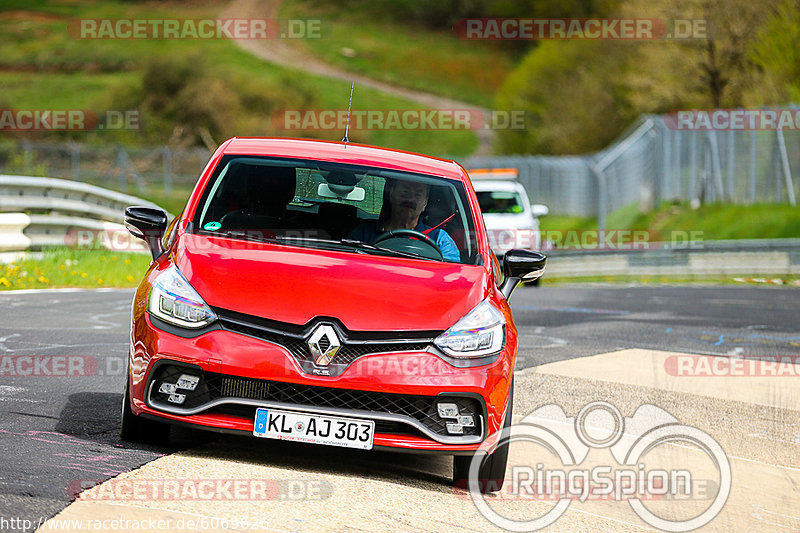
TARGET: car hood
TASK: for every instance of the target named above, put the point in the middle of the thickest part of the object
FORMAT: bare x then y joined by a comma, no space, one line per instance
295,284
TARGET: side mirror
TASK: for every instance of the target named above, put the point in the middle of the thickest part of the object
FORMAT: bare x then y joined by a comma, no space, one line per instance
539,210
148,224
521,265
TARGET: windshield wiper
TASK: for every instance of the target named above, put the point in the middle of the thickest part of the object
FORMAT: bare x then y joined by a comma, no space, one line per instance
359,246
364,246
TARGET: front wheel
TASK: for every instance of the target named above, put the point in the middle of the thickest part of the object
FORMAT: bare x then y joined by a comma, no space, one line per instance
492,472
137,429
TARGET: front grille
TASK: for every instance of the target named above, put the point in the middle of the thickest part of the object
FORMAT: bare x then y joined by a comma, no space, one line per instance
354,344
214,387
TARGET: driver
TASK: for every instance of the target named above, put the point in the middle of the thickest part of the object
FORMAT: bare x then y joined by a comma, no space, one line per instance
407,200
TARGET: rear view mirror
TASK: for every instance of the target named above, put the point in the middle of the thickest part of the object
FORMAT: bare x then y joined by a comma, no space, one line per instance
345,192
148,224
521,265
539,210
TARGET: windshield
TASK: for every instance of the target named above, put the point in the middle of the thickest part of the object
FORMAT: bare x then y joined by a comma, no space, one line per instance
500,202
342,207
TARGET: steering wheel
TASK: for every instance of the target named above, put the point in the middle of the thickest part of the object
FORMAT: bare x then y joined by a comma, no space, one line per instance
410,233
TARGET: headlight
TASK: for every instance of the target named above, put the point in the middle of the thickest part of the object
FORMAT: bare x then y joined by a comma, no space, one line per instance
479,333
173,300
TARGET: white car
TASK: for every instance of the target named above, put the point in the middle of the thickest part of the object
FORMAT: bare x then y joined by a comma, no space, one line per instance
511,221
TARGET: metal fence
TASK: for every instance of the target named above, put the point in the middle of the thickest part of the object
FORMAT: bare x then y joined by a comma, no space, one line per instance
651,163
144,169
648,164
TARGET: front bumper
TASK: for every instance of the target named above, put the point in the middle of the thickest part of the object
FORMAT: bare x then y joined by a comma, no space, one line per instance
239,373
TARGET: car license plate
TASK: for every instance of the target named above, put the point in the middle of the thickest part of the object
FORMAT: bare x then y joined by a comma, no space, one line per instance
317,429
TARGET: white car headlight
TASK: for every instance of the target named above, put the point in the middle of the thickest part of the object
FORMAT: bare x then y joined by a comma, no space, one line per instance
479,333
173,300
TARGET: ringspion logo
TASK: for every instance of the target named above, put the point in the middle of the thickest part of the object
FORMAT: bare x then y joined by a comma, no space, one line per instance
633,479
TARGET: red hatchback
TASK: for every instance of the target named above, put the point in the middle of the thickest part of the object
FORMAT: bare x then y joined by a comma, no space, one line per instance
327,293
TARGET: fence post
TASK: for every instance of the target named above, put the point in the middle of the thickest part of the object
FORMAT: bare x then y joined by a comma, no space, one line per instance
27,157
601,196
677,193
166,168
716,166
75,160
731,170
787,170
122,181
753,141
693,167
665,176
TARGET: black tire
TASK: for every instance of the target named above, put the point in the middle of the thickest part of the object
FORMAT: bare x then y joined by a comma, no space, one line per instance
137,429
492,472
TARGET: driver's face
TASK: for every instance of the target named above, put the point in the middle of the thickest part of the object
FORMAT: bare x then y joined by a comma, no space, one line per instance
409,198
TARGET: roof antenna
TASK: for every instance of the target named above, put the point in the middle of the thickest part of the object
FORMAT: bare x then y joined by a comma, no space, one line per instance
347,127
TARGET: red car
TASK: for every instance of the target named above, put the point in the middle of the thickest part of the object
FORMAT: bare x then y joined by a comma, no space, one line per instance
327,293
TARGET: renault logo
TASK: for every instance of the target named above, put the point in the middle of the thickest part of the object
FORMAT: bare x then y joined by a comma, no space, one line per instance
323,344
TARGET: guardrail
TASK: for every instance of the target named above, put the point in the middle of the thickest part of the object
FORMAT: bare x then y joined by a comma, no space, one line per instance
772,257
41,212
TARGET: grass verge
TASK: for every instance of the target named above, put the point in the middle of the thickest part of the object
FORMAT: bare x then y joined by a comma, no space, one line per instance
413,57
64,267
712,222
42,66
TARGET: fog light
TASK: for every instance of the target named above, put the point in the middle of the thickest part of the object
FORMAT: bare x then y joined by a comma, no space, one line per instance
467,421
176,398
167,388
187,382
455,429
447,410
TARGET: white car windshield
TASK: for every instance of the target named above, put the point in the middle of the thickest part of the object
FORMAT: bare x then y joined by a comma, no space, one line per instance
500,202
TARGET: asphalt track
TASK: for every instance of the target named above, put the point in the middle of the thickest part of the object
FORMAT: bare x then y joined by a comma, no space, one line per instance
579,344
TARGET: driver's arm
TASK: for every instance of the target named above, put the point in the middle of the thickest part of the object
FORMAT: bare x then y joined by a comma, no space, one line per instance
364,232
447,245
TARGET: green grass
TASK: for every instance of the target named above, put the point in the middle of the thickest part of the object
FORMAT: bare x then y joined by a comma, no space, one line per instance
712,222
566,223
409,56
64,267
43,67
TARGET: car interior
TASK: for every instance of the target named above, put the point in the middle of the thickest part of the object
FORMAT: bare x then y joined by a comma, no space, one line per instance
273,201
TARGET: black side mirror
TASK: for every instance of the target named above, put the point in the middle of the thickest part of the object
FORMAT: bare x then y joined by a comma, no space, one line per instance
148,224
521,265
